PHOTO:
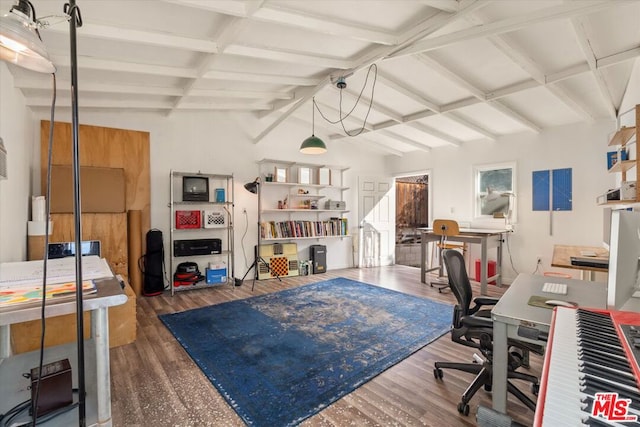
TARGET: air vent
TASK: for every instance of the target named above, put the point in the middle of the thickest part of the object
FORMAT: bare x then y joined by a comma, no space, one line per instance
4,173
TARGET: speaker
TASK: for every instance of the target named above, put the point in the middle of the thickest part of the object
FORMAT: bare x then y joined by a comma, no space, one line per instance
318,254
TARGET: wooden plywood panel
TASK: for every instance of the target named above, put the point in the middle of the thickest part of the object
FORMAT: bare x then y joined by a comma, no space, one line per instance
106,147
110,229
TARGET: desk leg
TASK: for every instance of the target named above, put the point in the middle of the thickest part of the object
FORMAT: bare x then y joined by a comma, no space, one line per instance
423,259
499,386
483,267
5,342
100,333
499,266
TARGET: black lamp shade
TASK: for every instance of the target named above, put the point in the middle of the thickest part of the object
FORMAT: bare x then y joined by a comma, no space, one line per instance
252,187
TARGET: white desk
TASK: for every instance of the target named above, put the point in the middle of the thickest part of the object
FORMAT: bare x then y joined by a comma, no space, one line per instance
486,238
13,387
513,312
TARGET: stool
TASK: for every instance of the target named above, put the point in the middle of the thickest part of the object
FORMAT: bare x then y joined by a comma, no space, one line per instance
445,228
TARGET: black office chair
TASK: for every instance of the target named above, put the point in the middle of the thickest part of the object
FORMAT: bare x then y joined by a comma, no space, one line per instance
473,327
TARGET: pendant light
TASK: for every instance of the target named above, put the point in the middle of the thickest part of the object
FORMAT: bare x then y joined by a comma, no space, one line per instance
313,144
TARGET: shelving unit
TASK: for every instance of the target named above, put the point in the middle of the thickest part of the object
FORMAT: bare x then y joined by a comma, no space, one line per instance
626,139
209,217
296,209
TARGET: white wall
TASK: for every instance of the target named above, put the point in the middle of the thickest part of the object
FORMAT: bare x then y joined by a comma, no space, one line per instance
581,147
222,143
18,132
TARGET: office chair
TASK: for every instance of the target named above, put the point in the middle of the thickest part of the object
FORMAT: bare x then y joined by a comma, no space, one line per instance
473,327
445,228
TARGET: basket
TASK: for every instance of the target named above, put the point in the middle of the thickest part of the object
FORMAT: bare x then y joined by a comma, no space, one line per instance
188,219
215,219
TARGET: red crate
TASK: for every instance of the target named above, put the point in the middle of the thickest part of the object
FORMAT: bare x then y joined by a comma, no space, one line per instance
491,270
188,219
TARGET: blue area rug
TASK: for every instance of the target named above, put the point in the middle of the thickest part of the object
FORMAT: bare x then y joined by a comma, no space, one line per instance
280,358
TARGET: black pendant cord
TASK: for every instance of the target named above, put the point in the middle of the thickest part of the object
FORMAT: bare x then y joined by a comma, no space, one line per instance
76,21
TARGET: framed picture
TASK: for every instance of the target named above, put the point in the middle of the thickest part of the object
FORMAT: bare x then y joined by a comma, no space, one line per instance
304,175
281,175
324,176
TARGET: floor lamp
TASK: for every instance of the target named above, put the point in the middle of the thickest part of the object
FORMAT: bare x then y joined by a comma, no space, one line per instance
20,44
254,187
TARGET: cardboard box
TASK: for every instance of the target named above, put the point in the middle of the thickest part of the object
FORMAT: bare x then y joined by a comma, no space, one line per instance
102,190
25,336
628,190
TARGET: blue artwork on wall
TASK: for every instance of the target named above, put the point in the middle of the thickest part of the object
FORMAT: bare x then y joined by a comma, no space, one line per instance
552,188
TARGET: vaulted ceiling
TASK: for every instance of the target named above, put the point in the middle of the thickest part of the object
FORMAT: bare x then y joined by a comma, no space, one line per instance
427,73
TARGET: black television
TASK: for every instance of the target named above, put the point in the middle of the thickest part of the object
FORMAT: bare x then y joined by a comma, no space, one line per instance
195,189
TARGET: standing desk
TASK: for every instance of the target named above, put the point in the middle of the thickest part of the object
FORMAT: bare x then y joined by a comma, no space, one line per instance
486,238
562,258
13,388
514,318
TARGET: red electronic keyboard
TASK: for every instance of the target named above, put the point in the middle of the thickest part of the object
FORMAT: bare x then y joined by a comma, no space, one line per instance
591,375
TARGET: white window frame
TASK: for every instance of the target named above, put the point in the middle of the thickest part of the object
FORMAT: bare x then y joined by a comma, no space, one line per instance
479,193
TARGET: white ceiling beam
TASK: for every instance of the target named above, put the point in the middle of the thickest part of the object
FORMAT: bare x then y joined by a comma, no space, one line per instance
124,67
616,58
436,133
585,46
509,112
476,128
507,25
448,74
410,93
226,93
403,139
261,78
305,95
228,33
88,102
227,7
25,83
322,24
396,85
290,57
446,5
504,45
455,78
421,30
148,38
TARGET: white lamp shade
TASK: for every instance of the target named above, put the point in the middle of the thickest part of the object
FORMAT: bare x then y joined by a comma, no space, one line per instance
20,44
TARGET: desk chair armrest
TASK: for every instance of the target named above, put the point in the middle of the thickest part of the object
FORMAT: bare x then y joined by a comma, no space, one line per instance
482,301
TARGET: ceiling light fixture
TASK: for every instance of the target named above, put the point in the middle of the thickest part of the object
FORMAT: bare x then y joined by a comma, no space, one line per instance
313,144
341,83
20,41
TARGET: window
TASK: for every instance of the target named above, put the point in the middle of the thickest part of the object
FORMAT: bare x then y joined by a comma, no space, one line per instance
495,190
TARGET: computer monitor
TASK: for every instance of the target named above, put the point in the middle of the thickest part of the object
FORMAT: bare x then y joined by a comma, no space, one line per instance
624,256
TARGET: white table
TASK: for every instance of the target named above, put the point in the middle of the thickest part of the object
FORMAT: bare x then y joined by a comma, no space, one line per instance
13,388
486,238
513,317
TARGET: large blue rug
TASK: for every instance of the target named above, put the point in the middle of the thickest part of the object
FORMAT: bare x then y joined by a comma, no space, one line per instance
280,358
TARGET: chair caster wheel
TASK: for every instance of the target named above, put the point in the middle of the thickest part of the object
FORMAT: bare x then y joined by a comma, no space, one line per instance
487,387
437,373
463,408
535,389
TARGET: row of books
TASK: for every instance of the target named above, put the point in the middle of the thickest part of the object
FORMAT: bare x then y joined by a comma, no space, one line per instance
296,229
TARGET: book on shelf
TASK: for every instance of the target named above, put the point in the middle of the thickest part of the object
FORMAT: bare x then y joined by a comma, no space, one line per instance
300,229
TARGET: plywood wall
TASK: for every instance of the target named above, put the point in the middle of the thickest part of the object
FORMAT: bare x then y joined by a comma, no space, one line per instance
104,147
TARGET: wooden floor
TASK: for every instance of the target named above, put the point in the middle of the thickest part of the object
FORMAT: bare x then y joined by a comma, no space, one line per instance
155,383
